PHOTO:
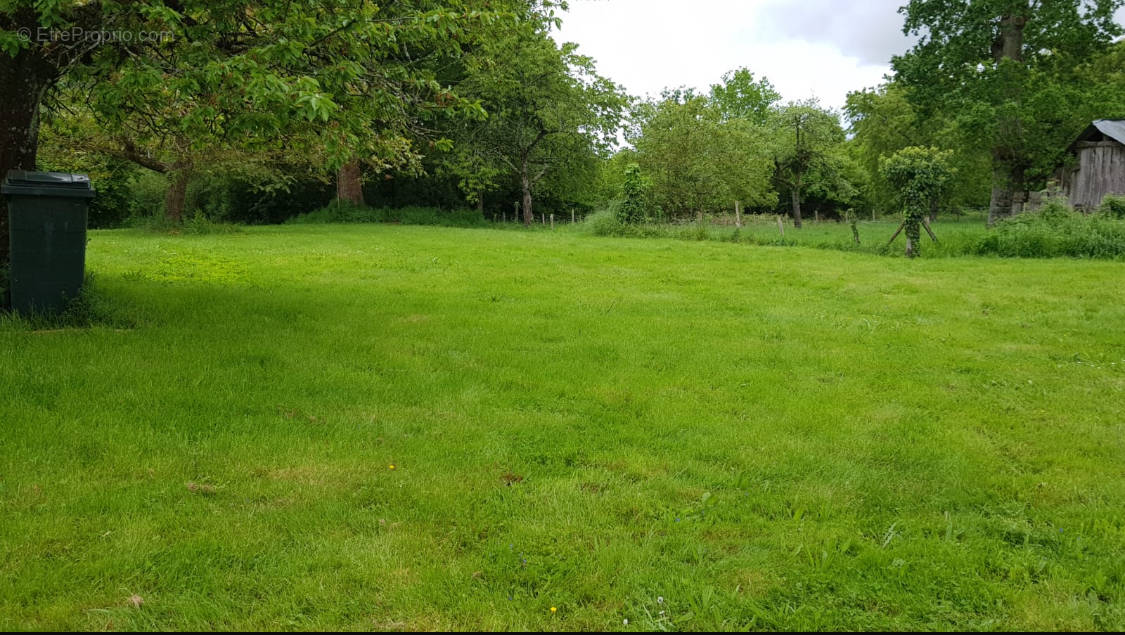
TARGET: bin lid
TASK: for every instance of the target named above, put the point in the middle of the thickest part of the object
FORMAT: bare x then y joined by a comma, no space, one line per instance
25,183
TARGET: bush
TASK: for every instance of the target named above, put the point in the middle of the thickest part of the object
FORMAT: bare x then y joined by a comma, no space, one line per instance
1056,230
1113,207
113,203
212,196
255,197
147,192
339,212
200,225
605,223
227,198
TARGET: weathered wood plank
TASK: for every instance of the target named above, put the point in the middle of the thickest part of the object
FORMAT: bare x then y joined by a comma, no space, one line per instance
1101,171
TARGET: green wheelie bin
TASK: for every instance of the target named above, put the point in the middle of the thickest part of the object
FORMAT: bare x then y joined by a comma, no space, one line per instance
47,226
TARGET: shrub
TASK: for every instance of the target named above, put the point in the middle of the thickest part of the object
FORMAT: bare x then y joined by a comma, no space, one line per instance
200,225
607,222
1113,207
211,196
112,180
147,192
113,204
256,197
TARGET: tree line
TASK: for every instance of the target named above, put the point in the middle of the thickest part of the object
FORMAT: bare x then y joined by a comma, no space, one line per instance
279,93
992,96
474,103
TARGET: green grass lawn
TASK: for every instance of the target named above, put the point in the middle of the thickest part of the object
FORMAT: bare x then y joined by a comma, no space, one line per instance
683,435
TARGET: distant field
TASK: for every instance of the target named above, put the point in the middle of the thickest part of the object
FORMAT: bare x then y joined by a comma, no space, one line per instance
642,434
1057,233
954,233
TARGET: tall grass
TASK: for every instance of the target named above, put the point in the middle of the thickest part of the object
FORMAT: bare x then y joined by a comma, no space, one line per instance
1058,231
1054,231
955,235
195,225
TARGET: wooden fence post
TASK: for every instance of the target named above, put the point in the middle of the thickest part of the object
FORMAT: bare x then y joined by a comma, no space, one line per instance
552,221
738,214
781,225
929,230
898,231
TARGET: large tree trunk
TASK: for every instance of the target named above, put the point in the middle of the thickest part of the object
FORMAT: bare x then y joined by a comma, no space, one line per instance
1000,205
795,196
1008,184
1006,180
525,184
176,196
349,184
1009,44
25,79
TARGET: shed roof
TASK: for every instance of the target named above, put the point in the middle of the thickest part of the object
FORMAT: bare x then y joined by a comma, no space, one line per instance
1104,129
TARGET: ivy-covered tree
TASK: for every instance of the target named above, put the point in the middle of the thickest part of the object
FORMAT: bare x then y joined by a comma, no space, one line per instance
920,175
636,201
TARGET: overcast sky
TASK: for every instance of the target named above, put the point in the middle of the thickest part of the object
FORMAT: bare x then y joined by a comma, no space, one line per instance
807,48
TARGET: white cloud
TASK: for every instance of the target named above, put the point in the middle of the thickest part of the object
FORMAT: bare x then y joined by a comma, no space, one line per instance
870,31
811,48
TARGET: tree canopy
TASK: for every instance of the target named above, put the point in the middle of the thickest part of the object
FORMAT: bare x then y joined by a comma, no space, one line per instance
1009,69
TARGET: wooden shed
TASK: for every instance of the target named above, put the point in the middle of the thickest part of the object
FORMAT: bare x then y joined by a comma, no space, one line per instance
1100,166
